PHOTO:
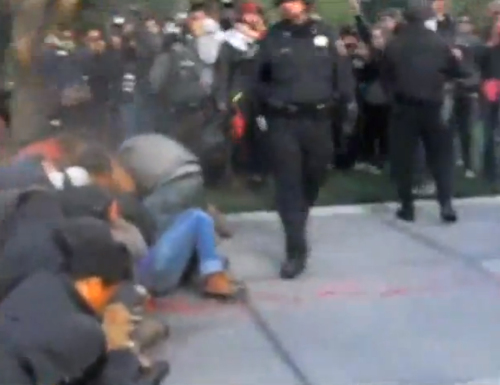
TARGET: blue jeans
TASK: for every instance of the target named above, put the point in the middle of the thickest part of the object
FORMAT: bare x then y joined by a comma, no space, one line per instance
191,233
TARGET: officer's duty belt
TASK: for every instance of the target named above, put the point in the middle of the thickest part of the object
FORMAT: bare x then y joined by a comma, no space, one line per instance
301,109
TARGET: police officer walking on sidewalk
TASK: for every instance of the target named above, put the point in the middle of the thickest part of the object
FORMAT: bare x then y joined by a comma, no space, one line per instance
300,76
417,64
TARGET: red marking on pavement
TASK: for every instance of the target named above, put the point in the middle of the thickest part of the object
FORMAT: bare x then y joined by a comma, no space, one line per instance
395,292
343,290
183,305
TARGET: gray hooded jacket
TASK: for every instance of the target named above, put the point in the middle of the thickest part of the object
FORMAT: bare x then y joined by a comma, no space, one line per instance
168,175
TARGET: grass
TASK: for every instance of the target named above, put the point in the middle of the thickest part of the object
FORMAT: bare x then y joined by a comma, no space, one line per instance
342,188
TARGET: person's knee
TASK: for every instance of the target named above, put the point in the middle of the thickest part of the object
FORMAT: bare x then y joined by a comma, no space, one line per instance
201,216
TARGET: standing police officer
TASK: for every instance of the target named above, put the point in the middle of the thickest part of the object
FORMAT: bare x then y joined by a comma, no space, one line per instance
300,76
417,64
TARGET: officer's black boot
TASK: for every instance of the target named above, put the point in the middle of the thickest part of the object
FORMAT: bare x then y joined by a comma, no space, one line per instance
293,266
406,212
448,213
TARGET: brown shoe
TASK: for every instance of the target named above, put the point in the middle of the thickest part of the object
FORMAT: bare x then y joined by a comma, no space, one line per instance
221,286
222,227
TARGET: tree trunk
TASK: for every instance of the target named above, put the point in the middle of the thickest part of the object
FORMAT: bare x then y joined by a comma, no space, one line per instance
29,113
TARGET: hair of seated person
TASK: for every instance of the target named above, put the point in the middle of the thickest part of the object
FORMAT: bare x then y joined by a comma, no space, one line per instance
95,159
112,262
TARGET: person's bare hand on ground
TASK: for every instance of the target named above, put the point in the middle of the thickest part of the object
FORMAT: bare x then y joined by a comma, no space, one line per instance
118,325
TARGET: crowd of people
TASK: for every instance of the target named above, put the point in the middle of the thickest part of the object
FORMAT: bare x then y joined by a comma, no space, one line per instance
109,211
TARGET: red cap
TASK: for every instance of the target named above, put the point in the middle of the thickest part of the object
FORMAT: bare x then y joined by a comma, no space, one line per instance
250,7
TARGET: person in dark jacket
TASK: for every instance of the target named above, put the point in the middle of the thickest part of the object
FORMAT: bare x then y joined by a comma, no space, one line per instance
415,68
234,79
50,330
465,101
299,78
489,63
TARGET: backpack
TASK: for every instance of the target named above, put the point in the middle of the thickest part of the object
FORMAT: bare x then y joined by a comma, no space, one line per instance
184,80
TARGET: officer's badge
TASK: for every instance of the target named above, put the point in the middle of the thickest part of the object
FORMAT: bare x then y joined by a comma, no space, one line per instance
321,41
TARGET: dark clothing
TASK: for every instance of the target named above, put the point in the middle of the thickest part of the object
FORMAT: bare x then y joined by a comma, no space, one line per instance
300,77
446,28
410,124
490,62
417,64
235,67
23,174
50,336
29,247
470,46
491,113
234,72
299,64
300,150
463,119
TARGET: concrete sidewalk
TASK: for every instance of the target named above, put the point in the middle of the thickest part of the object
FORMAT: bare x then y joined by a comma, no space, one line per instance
382,303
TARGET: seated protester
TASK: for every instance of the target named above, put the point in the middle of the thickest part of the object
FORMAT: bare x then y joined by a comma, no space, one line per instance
34,171
169,181
96,202
37,212
50,330
27,222
104,170
99,203
56,149
27,219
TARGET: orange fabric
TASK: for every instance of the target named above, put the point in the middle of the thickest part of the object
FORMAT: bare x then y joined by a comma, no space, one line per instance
50,149
491,89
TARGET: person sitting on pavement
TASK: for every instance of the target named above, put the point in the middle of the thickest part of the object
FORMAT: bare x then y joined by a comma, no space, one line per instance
50,327
35,171
99,203
169,182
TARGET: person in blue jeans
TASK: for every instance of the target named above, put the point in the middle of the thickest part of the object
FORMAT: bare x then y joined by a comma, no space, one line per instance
169,181
190,235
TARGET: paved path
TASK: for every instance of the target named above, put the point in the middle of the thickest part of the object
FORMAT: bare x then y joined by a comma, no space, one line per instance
382,303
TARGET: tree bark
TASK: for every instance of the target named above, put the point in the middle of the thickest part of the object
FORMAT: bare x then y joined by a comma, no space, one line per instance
28,106
31,104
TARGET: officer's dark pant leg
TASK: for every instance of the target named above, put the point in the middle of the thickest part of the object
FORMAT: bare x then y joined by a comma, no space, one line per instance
404,137
437,138
286,160
316,142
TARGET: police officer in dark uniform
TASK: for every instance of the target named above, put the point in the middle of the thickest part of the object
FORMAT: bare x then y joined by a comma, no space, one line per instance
417,64
300,76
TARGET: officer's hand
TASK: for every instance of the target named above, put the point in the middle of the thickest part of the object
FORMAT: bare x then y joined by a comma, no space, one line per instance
457,53
355,6
118,325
